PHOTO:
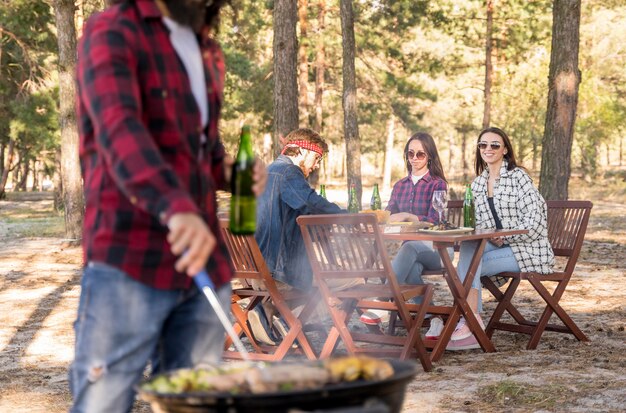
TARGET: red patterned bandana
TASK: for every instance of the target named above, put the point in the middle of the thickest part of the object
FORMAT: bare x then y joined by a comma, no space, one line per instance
305,145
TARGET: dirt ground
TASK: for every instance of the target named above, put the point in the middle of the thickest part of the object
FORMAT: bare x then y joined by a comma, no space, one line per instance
40,286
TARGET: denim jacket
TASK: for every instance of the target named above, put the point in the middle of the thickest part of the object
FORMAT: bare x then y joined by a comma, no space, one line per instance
287,196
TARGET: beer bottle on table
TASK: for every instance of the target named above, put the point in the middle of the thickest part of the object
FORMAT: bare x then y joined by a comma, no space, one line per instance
468,208
375,202
353,204
243,201
323,191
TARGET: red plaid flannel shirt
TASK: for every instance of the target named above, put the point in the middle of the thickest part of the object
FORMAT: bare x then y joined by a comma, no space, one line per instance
416,198
140,147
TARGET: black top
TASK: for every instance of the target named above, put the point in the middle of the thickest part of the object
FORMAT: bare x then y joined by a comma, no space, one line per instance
494,213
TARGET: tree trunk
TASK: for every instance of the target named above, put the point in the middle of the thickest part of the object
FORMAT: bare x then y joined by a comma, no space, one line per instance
488,65
7,167
391,134
303,72
25,164
74,204
57,182
36,176
320,66
563,82
535,154
464,155
350,121
2,150
451,155
285,70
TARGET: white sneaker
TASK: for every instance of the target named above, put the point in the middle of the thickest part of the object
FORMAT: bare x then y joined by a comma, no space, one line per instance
436,326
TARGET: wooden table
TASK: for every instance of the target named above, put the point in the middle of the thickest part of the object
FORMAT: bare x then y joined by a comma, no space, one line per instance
460,291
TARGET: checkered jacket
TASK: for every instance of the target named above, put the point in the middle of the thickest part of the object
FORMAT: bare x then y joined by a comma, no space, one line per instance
519,206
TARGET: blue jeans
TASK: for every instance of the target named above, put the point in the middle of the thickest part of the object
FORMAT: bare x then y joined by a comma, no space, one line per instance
494,261
122,323
411,261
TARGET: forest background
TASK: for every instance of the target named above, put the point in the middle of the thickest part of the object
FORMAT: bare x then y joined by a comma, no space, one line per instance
418,64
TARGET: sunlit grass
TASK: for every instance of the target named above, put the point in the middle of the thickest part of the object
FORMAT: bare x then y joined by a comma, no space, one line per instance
511,394
26,215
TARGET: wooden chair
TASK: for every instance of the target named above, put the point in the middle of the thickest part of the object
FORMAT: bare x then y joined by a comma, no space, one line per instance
249,265
349,247
567,224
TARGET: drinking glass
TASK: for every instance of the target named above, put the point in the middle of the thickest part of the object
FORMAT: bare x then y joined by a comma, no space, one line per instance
440,202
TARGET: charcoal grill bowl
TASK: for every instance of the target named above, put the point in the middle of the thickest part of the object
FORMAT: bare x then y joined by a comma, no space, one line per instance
389,392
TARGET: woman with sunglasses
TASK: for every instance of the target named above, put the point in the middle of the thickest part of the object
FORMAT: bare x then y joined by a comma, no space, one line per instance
411,201
505,198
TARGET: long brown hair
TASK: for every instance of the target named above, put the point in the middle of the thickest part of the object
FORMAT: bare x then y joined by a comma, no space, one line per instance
434,163
480,165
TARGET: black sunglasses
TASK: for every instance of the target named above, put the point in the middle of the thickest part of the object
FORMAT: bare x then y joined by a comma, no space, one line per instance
494,145
419,155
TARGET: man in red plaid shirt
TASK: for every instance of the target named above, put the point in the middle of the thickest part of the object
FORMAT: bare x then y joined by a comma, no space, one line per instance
150,83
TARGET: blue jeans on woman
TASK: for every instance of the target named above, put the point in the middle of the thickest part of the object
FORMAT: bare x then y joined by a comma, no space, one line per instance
412,259
121,324
494,261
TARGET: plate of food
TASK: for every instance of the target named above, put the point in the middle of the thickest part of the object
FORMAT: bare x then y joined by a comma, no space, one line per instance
447,228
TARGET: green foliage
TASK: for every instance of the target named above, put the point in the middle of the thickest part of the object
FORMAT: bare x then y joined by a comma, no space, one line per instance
419,61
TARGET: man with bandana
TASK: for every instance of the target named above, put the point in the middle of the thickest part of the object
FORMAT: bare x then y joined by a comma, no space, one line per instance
150,82
288,195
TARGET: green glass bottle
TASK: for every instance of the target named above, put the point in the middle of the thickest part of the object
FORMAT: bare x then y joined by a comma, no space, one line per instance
323,191
468,208
353,204
243,201
375,202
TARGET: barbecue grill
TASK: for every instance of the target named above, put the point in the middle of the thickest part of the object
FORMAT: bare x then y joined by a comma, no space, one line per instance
373,396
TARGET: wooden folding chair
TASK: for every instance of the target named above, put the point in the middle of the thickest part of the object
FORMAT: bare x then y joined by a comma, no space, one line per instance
567,224
249,265
349,247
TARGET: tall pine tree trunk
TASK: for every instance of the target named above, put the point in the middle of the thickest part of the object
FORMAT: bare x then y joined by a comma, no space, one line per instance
563,83
488,65
285,70
350,120
303,72
7,168
74,204
391,134
320,67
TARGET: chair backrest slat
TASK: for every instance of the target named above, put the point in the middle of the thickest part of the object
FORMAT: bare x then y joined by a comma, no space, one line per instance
455,212
244,252
567,225
347,246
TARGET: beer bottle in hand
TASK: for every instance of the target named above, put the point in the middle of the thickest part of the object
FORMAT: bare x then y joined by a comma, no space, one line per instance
243,201
375,202
468,208
353,204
